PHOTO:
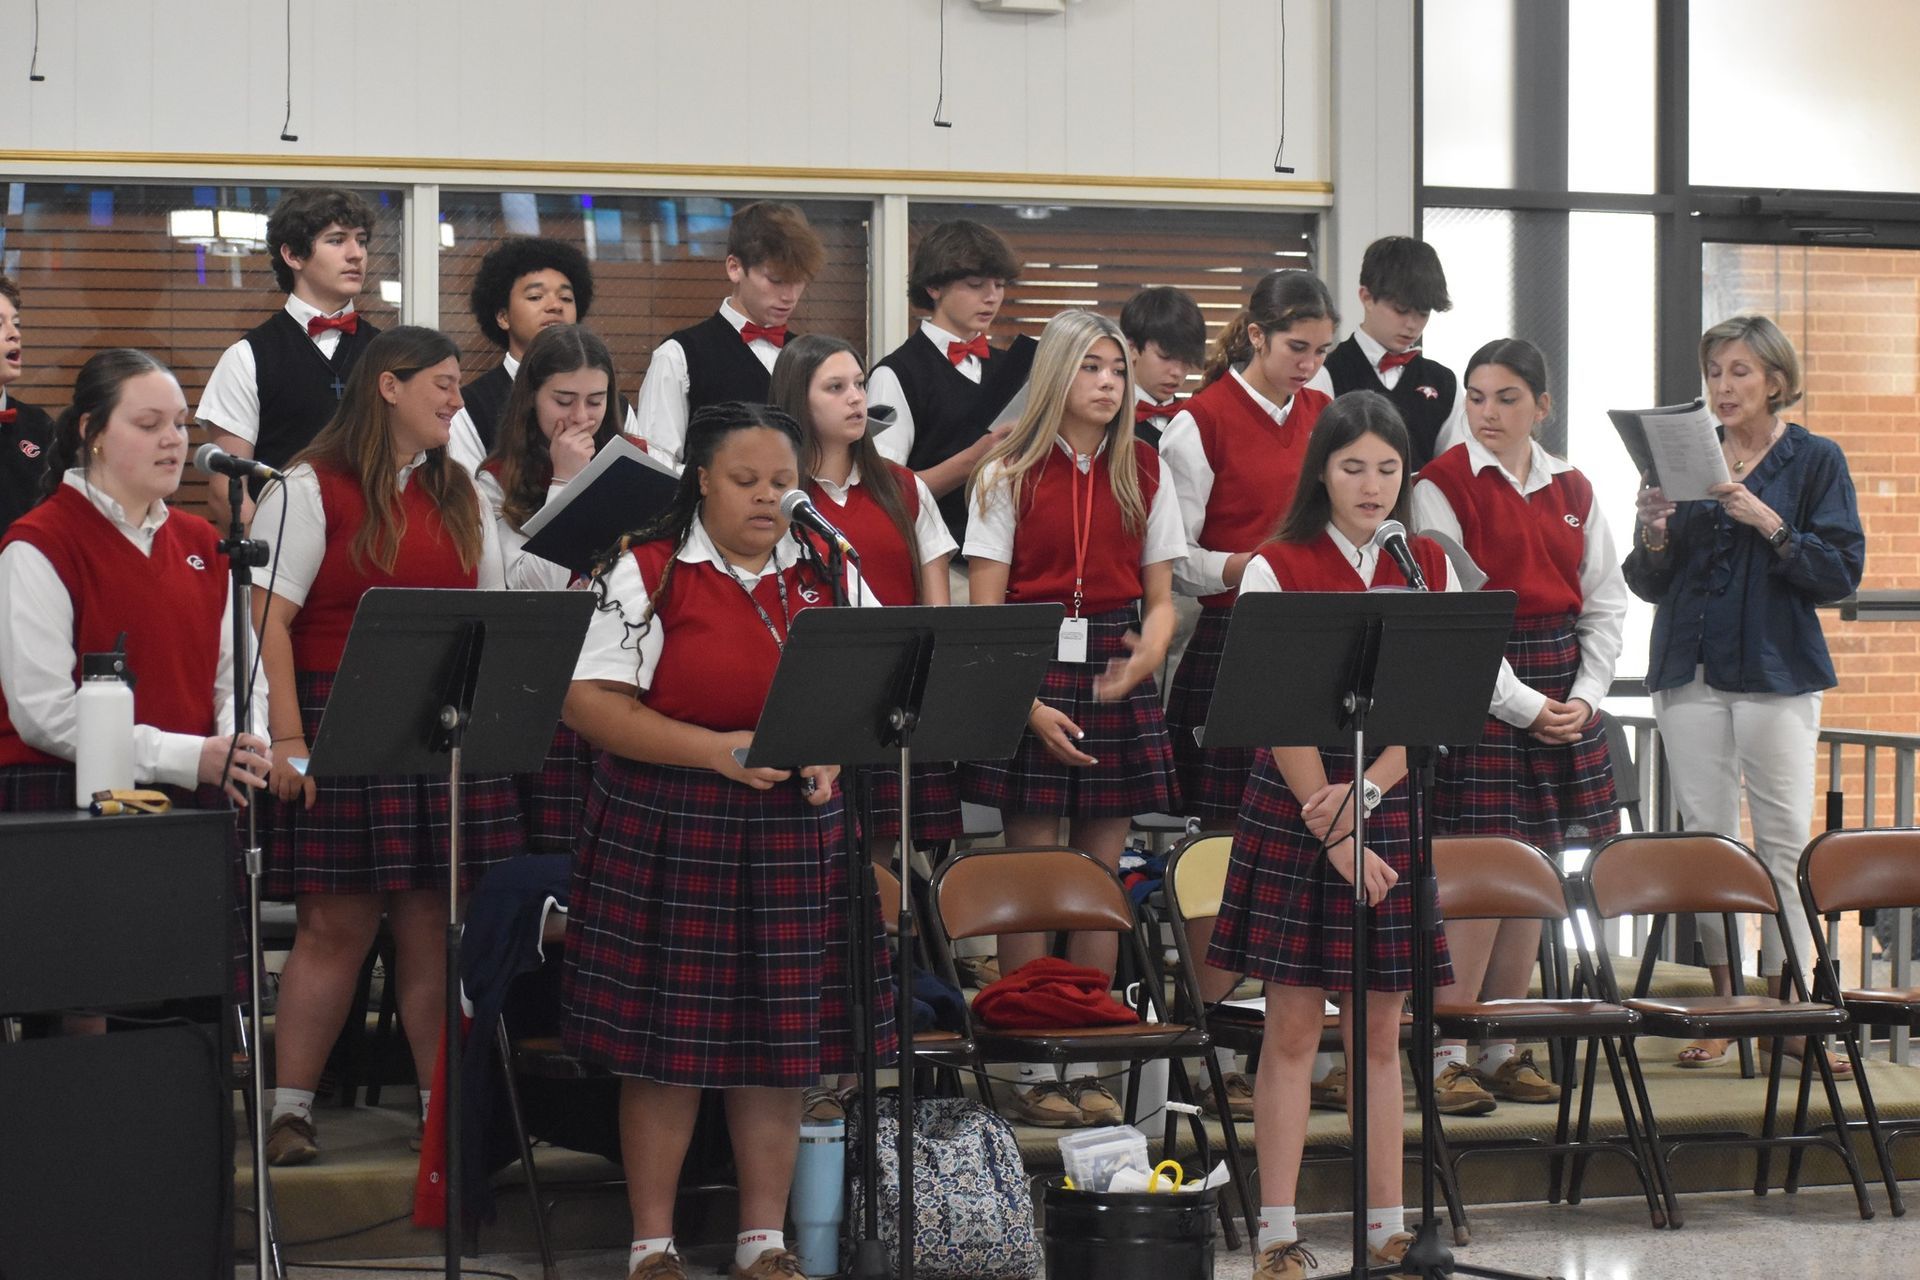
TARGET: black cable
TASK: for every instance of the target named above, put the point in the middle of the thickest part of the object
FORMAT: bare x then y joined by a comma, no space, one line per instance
1281,147
33,67
941,100
287,123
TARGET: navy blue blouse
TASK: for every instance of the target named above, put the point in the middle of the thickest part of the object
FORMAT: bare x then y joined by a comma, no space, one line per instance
1728,602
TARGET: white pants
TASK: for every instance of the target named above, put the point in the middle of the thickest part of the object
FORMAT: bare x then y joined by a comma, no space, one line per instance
1714,742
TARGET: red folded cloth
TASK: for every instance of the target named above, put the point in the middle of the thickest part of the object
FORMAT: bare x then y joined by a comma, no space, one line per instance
1051,993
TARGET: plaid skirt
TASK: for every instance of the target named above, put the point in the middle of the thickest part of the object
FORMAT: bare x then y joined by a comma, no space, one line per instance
1512,784
1212,783
1128,738
936,803
1286,915
383,834
49,788
554,800
706,938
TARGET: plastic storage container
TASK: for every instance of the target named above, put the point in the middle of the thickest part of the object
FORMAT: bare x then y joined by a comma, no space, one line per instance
1126,1235
1092,1156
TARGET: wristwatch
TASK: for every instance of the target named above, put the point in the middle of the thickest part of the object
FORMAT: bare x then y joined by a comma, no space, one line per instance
1369,795
1778,538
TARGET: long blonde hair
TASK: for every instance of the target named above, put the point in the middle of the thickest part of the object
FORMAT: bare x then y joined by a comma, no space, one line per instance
1063,344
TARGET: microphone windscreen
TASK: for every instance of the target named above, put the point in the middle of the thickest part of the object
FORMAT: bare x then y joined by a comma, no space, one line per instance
1388,529
203,458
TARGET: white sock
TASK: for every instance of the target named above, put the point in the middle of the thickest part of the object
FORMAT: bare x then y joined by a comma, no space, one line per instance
1276,1226
749,1245
640,1250
1228,1060
426,1102
1494,1056
1382,1224
1323,1065
292,1102
1033,1073
1079,1070
1446,1055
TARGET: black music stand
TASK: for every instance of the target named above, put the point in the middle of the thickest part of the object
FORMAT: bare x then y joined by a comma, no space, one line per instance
1411,669
885,687
451,681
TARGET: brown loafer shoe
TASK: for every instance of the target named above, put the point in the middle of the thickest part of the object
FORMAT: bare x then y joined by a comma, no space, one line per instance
660,1266
1457,1093
1393,1252
1239,1097
821,1105
1329,1093
1097,1105
1045,1104
1287,1261
291,1140
1518,1079
772,1264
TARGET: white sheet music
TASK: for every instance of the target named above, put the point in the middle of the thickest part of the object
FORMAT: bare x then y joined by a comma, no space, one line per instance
1686,453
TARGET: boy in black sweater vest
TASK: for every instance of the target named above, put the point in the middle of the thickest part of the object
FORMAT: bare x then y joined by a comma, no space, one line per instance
273,390
772,255
1167,338
952,394
25,431
525,284
1401,285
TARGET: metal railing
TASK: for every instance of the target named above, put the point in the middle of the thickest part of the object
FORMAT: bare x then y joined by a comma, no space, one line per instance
1656,797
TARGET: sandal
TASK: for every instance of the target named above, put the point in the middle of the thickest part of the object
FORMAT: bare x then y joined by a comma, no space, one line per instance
1837,1062
1699,1054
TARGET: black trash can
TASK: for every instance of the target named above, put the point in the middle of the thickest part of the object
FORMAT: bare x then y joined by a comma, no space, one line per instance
1123,1235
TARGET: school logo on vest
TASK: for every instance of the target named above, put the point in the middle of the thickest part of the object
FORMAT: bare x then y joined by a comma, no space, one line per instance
1573,521
1431,393
29,448
807,593
196,562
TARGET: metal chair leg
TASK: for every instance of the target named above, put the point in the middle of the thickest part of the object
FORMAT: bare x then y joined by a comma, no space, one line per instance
505,1048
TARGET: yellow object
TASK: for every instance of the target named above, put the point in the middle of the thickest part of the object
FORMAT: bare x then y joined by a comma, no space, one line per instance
1177,1177
107,804
1069,1182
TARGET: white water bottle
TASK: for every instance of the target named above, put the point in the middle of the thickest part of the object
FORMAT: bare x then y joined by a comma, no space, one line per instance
103,745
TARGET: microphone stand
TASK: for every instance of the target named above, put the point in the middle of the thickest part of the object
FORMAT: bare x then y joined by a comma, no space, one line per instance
244,555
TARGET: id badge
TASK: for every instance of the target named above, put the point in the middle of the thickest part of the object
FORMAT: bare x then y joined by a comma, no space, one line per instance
1073,640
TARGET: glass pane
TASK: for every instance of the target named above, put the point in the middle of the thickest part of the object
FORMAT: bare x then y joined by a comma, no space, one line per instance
1098,257
659,264
1476,248
1467,103
1820,96
110,265
1610,95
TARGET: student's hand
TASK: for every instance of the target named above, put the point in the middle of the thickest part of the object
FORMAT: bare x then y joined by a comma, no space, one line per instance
571,451
1235,568
1122,674
1058,734
817,780
286,782
252,761
984,445
1379,878
1740,502
725,765
1560,722
1652,509
1328,812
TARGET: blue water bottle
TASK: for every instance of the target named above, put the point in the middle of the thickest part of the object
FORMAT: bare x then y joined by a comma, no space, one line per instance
818,1202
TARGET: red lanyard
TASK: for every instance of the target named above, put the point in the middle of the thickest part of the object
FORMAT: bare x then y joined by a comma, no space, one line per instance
1082,528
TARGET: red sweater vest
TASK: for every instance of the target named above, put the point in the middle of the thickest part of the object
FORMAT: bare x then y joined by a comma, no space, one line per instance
886,559
169,604
1256,464
717,660
1321,566
1530,546
1043,538
427,558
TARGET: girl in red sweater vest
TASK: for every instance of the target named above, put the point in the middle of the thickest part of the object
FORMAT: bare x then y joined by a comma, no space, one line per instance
1286,916
1070,509
374,501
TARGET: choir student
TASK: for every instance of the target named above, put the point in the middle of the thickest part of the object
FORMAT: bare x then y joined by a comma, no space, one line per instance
1167,339
25,432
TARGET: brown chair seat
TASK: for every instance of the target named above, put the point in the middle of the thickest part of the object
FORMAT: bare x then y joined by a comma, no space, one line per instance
1562,1017
1894,997
1752,1013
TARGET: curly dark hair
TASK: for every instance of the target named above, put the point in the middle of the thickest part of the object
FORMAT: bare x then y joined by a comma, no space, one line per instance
507,261
305,213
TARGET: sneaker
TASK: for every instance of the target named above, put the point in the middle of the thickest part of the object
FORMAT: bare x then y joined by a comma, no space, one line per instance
1045,1104
1097,1105
660,1266
1287,1261
1393,1252
771,1264
1519,1080
1457,1093
1330,1092
290,1141
1239,1097
821,1105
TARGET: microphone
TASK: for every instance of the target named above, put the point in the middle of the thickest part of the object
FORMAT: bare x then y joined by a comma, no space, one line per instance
1391,537
798,508
210,459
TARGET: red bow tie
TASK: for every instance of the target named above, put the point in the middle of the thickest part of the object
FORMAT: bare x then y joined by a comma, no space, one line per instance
348,323
1394,359
776,334
1146,410
7,416
978,349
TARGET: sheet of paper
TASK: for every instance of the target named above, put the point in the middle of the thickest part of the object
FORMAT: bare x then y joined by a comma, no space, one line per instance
1686,453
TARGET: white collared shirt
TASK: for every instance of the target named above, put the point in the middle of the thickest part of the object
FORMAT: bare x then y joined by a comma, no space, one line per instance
1603,590
612,653
883,387
37,656
298,550
231,400
522,571
663,409
464,445
991,526
1201,571
929,530
1452,431
1364,560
